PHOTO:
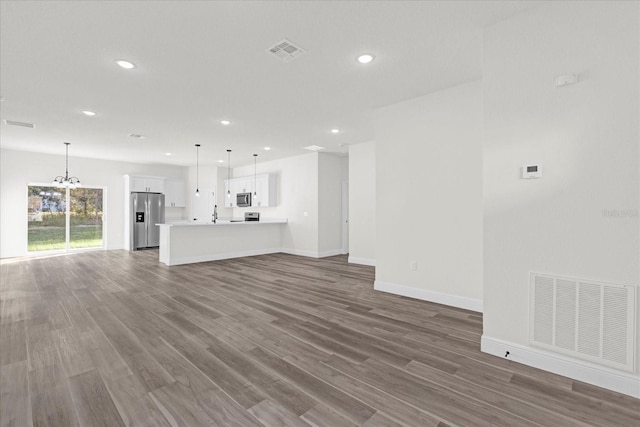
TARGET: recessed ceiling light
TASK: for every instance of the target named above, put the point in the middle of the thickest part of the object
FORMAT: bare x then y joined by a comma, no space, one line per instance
136,136
225,122
365,58
125,64
220,161
167,154
88,113
335,130
267,148
315,148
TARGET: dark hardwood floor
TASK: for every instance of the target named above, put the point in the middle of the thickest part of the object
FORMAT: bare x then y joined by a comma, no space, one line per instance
115,338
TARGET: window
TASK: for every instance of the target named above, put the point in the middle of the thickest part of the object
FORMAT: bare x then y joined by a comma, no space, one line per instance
54,224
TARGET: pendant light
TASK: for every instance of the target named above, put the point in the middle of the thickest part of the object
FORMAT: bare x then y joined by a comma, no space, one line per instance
229,173
197,170
255,179
66,181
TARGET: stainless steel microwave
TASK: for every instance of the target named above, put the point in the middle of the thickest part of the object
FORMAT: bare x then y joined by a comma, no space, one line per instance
243,200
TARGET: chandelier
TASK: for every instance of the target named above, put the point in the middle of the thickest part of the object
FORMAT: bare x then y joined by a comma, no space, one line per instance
66,181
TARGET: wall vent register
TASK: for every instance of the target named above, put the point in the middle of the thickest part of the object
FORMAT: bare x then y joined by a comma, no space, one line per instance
583,318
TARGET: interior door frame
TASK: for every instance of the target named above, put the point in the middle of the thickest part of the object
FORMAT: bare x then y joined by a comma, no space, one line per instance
345,217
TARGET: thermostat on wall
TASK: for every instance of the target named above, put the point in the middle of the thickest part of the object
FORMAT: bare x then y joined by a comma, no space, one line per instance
567,79
531,171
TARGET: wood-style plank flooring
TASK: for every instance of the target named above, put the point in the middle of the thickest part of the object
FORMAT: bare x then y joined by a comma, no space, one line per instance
114,338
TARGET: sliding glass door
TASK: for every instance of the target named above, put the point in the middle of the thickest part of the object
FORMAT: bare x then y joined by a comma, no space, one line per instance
85,218
64,219
47,208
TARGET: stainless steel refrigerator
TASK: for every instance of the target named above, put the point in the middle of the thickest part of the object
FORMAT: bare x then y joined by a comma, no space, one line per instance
147,210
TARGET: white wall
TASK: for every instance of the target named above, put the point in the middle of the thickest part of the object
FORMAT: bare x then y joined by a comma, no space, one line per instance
586,138
297,195
362,203
330,177
210,180
19,168
429,197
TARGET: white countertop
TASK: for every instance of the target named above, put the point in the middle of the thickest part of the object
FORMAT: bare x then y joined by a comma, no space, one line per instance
223,222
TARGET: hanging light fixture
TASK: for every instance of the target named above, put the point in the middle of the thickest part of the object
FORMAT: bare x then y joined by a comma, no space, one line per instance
229,173
197,170
255,179
66,181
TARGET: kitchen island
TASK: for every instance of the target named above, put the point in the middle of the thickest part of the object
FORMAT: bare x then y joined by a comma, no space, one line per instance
189,242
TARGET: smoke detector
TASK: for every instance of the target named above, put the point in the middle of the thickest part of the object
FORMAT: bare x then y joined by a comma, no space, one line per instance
285,50
21,124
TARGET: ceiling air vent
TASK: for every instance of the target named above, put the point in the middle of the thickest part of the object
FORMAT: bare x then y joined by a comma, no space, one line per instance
315,148
285,50
21,124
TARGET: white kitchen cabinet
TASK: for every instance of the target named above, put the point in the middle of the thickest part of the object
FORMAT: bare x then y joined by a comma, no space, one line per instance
137,183
266,190
244,185
236,185
149,184
155,185
174,193
265,185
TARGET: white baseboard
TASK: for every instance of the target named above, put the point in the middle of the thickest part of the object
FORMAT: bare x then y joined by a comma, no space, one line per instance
425,295
601,376
311,254
364,261
9,255
332,252
226,255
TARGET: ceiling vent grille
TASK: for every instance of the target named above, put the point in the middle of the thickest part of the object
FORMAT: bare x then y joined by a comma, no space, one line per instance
315,148
21,124
585,319
285,50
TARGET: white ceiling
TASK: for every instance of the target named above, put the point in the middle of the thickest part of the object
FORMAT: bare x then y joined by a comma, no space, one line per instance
202,61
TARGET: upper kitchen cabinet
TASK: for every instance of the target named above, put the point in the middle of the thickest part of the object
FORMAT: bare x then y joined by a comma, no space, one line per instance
266,190
151,184
264,186
175,196
235,186
243,185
